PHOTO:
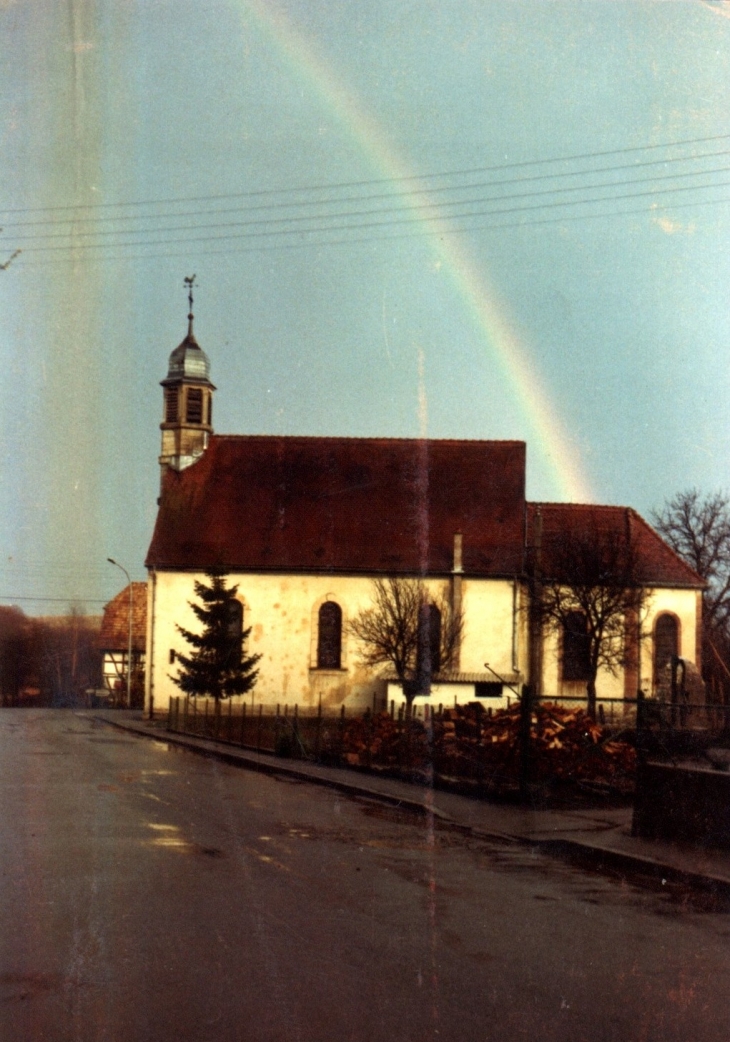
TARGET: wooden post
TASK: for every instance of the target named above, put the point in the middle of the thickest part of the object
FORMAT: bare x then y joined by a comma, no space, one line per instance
318,734
243,722
525,728
641,751
368,753
258,734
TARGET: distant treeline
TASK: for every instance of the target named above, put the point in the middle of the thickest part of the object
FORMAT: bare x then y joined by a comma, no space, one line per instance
49,661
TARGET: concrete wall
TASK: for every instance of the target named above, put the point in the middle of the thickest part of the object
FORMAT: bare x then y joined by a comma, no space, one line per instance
283,611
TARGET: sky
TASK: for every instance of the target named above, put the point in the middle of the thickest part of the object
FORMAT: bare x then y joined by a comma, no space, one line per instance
443,218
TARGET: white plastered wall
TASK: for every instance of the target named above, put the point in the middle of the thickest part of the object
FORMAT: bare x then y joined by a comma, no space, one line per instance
680,603
282,611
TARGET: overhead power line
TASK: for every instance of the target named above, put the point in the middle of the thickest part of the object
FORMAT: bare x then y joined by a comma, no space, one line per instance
404,179
290,223
653,210
442,209
55,600
426,193
442,219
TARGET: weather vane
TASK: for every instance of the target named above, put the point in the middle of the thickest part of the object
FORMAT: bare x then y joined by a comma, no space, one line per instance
189,280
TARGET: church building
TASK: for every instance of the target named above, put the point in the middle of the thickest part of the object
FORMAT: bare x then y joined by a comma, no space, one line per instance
304,525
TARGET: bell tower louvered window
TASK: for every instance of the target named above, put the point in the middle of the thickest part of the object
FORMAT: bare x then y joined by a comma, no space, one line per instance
195,405
171,405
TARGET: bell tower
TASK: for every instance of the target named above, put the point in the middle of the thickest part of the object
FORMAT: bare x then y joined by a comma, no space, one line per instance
187,400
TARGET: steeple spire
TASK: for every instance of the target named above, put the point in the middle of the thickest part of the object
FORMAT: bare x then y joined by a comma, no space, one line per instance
187,404
189,280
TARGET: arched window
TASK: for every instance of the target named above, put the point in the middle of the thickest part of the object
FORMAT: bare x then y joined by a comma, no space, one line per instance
329,638
576,647
429,642
434,637
666,643
234,631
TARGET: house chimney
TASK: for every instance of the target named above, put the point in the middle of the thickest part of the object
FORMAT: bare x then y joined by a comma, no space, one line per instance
457,569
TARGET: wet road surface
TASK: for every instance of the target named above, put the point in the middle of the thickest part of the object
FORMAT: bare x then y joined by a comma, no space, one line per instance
151,894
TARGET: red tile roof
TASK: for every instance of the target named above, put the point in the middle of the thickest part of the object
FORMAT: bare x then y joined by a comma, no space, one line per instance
114,635
658,564
353,505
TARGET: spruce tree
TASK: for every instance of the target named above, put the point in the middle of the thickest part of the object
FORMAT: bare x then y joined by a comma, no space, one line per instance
217,665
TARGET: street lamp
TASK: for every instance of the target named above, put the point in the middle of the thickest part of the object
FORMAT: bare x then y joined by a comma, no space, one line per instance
129,645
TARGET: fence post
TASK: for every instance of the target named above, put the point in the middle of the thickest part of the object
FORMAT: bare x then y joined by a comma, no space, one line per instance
342,731
258,733
243,720
318,732
369,717
478,710
525,728
641,749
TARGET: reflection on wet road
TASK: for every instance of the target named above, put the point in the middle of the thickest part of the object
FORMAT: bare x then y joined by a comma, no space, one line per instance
152,894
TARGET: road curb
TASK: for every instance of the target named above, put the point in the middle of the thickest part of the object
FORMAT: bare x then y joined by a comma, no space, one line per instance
572,850
251,761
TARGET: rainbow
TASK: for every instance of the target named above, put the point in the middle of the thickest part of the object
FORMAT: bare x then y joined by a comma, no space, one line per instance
471,285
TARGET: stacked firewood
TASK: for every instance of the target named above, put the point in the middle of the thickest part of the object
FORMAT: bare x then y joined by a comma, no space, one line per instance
466,744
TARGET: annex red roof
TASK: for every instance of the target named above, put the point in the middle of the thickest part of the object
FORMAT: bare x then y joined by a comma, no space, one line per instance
353,505
114,634
657,564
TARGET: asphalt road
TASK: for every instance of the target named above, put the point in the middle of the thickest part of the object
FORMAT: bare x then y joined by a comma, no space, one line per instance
151,894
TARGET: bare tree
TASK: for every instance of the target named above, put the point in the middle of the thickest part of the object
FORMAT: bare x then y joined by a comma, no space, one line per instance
67,656
595,601
407,629
698,528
